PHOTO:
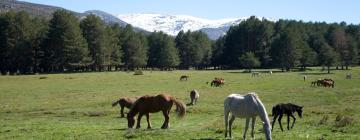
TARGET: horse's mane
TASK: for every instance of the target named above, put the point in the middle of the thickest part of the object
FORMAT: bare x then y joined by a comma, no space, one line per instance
262,111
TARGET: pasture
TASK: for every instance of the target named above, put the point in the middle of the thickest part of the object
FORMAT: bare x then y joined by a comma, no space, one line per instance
78,106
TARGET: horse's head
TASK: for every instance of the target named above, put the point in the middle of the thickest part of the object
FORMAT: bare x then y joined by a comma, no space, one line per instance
299,111
131,120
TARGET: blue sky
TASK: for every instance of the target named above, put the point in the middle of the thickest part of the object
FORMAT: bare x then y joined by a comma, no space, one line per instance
306,10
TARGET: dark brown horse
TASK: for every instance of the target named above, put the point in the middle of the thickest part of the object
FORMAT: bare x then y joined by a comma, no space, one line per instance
218,82
184,78
151,104
124,102
288,109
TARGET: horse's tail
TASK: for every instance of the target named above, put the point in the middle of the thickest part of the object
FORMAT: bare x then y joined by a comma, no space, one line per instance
115,103
180,107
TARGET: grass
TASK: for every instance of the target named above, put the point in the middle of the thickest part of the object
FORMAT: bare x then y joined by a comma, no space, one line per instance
78,106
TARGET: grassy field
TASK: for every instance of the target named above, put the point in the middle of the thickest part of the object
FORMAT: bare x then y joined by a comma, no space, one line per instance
78,106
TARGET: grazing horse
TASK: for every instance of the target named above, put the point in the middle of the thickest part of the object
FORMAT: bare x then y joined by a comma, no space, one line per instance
348,75
326,82
184,78
248,106
288,109
151,104
218,82
255,74
194,96
124,102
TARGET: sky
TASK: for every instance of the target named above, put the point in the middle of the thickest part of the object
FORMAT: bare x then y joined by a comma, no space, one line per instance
306,10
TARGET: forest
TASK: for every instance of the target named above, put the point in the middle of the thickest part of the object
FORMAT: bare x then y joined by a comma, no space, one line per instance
65,43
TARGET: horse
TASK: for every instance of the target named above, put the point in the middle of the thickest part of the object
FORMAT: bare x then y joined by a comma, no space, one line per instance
248,106
326,82
194,96
288,109
348,75
184,78
150,104
313,83
217,82
124,102
255,74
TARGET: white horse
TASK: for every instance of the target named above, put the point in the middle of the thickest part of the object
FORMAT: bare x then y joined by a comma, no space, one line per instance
248,106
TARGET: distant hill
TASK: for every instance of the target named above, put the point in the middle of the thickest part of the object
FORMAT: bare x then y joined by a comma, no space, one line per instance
33,9
46,11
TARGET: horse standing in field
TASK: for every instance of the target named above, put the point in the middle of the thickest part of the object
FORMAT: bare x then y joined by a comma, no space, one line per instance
248,106
184,78
124,102
255,74
151,104
194,96
217,82
288,109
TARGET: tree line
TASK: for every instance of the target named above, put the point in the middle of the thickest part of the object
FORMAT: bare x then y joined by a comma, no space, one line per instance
66,44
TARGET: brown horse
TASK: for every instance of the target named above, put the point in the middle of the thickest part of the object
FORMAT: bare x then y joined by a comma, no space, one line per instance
218,82
151,104
124,102
184,78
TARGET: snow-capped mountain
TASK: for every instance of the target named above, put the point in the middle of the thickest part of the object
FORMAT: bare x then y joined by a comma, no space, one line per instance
173,24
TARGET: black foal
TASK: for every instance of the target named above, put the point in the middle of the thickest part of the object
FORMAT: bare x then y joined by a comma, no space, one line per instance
288,109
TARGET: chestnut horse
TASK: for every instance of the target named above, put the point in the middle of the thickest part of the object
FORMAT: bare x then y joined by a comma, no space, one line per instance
124,102
151,104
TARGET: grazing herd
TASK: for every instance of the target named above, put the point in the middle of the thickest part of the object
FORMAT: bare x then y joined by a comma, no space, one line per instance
235,106
323,82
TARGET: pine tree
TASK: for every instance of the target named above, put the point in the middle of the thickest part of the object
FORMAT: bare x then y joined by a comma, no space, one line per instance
64,48
94,32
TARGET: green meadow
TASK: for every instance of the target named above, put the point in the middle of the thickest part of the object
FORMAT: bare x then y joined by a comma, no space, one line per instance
78,106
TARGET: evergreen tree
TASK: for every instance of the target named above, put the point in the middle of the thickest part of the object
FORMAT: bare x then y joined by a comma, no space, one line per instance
135,51
286,49
94,32
64,48
249,61
162,51
328,57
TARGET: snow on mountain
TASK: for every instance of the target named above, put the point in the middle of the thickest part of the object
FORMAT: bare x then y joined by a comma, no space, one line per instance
172,24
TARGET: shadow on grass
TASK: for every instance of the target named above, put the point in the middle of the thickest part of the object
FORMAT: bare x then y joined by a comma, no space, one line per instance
206,139
320,73
118,129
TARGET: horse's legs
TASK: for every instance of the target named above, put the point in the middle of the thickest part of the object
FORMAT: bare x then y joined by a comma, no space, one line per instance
279,120
138,120
192,101
293,121
230,123
246,127
196,100
148,120
122,111
288,121
166,122
274,120
253,126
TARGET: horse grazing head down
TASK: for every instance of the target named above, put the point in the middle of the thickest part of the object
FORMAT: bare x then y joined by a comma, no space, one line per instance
299,110
131,121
